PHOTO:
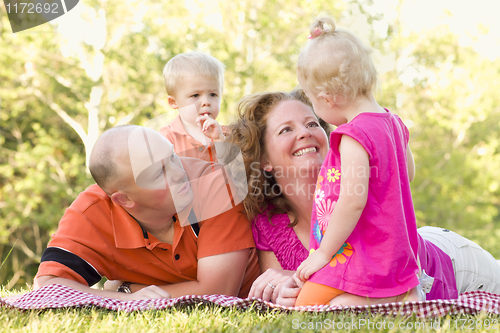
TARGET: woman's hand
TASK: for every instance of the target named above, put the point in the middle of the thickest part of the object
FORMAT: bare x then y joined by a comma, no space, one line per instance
289,290
263,286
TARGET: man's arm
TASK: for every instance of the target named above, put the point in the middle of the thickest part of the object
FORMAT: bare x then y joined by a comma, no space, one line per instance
145,293
218,274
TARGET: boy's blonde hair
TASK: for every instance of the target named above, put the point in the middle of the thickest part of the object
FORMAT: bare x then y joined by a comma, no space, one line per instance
336,62
192,64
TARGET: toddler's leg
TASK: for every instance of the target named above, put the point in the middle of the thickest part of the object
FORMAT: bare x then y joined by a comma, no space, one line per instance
347,299
316,294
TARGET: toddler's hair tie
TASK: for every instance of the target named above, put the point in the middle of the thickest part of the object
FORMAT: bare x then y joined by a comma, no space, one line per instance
316,33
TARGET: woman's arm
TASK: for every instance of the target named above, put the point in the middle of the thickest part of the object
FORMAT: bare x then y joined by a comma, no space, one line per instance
273,276
267,259
345,216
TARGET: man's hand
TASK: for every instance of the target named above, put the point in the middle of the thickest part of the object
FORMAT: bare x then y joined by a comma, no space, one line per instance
150,292
112,284
210,127
263,286
312,264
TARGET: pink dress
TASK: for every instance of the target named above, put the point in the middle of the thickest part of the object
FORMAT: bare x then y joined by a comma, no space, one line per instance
378,259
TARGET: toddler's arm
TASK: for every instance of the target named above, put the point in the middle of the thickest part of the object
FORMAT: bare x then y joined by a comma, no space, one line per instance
410,162
345,216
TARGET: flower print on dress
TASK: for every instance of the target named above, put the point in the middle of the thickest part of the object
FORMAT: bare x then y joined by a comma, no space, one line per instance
319,195
345,251
318,182
318,185
323,211
317,232
333,175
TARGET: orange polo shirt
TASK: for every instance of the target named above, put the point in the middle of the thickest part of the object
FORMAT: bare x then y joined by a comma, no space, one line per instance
187,146
98,238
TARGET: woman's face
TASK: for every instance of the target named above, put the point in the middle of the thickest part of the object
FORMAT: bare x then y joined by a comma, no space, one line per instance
295,143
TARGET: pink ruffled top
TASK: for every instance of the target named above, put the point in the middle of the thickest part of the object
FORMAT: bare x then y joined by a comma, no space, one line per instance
278,237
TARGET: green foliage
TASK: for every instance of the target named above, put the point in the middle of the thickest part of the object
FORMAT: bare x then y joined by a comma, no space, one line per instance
8,254
455,111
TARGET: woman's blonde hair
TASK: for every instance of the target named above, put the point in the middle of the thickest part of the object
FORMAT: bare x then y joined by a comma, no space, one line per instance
335,61
248,133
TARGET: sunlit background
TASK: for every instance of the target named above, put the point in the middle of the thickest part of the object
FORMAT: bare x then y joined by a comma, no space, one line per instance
65,82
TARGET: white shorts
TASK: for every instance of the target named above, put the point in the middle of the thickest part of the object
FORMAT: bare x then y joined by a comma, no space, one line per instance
475,268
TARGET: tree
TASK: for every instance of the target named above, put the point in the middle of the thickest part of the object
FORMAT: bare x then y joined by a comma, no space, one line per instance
446,92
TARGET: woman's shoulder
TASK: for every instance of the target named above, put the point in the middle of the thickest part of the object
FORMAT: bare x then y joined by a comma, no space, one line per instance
274,229
276,221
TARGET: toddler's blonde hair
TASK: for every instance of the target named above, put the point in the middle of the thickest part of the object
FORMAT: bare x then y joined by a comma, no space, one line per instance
335,61
192,64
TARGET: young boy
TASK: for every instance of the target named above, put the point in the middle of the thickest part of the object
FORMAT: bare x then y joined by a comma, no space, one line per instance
194,82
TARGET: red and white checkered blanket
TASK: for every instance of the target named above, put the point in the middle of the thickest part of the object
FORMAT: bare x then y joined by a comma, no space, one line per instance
58,296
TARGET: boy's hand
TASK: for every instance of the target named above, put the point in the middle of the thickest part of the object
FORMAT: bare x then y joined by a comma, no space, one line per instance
210,127
312,264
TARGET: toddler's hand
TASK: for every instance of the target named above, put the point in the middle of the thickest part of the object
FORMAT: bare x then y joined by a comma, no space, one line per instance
312,264
210,127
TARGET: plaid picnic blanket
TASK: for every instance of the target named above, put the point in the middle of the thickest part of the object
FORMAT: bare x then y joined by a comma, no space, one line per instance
57,296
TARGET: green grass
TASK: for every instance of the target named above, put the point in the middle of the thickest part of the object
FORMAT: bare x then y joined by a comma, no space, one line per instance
208,318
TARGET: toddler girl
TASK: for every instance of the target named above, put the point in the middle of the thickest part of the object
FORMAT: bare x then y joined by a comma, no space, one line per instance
363,230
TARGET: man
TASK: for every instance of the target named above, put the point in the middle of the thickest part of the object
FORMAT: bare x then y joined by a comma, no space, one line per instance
153,219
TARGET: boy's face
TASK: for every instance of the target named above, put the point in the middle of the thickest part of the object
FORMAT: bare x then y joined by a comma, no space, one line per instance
196,96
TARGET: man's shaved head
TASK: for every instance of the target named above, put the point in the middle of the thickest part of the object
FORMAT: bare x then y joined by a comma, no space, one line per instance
109,147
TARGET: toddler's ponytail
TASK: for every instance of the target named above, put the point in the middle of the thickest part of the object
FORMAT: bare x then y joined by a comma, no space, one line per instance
323,24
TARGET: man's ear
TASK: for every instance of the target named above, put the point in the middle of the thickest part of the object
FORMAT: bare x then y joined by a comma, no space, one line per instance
172,102
327,98
122,199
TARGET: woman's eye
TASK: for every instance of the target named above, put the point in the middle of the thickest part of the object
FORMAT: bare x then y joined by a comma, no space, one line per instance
284,130
313,124
195,95
213,94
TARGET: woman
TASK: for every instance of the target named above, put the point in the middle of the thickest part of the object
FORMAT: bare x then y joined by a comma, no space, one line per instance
284,145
